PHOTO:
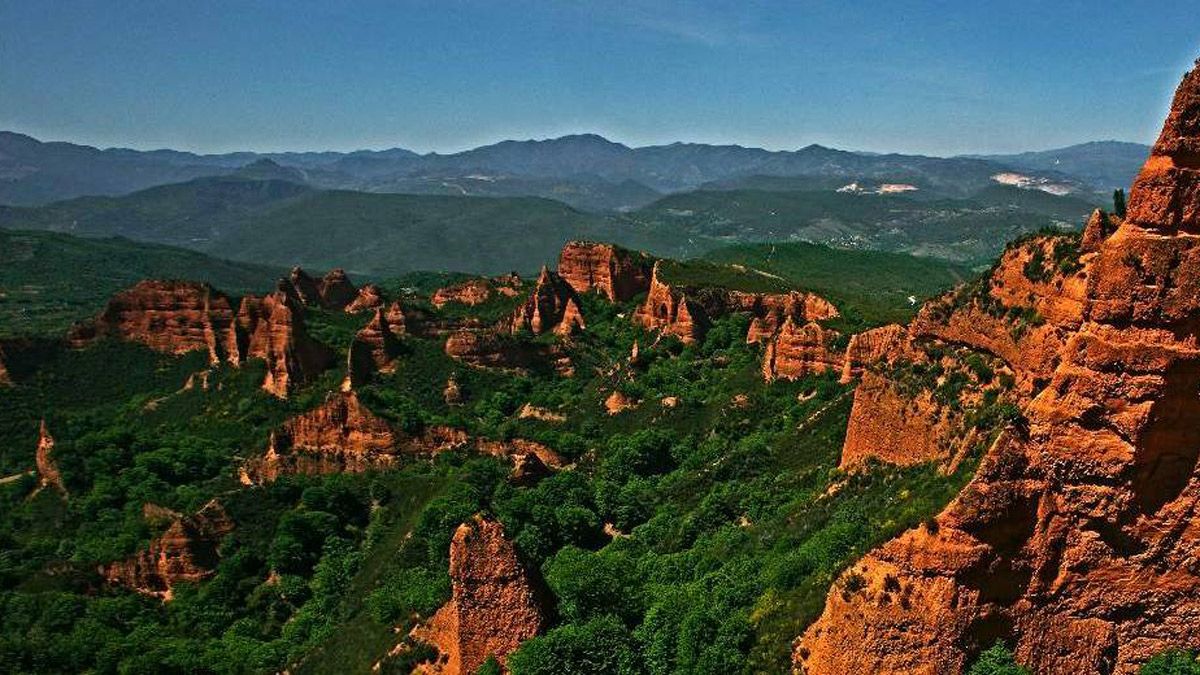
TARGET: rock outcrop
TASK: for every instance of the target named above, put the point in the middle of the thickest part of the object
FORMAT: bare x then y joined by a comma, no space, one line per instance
495,603
671,312
769,311
798,350
369,297
875,345
174,317
552,306
47,467
340,435
5,377
334,291
474,292
373,350
272,328
397,318
1076,540
491,348
612,271
186,552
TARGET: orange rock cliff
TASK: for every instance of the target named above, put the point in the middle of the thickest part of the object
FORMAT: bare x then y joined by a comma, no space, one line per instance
1076,540
495,602
612,271
177,317
186,551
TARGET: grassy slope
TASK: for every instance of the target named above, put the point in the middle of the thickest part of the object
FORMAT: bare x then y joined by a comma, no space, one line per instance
48,280
870,286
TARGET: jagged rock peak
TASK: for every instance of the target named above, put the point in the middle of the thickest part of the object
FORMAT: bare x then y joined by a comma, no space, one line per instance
186,551
495,604
617,273
373,350
1166,194
552,306
1075,541
47,467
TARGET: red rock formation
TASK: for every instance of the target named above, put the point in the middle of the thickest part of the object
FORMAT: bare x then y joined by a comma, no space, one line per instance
187,551
47,468
768,311
872,346
373,350
369,297
617,403
800,350
470,292
492,349
5,378
616,273
396,317
551,307
671,312
494,605
1076,541
305,287
174,317
336,289
272,328
340,435
476,348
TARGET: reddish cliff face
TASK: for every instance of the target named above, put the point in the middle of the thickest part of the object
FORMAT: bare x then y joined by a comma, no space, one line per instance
373,350
494,604
272,328
174,317
616,273
872,346
5,378
47,467
477,291
369,297
490,348
397,318
1076,541
768,311
551,307
341,435
336,289
1023,312
187,551
798,350
671,312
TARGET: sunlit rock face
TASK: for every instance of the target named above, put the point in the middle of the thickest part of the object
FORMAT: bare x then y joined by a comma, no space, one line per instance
612,271
1076,541
494,605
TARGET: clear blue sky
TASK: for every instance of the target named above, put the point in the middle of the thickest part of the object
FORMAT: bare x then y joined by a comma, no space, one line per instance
933,77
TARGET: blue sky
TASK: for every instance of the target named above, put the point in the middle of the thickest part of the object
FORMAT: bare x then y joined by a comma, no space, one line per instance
931,77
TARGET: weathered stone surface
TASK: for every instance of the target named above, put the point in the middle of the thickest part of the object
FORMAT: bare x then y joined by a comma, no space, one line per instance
5,377
369,297
272,328
610,270
47,467
373,350
341,435
552,306
397,318
617,403
495,602
477,291
336,289
872,346
798,350
1076,540
671,312
187,551
769,311
174,317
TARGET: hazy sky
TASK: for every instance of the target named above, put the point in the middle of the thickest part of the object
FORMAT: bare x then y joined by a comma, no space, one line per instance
932,77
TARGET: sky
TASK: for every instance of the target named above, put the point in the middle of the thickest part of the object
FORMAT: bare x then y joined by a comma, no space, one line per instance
446,75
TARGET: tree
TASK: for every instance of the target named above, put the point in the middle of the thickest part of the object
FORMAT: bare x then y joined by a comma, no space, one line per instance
1119,203
997,661
1174,662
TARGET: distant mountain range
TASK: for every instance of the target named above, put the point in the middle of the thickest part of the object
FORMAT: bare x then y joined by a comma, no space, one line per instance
585,171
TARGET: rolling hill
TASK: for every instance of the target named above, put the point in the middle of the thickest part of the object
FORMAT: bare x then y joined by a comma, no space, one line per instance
48,280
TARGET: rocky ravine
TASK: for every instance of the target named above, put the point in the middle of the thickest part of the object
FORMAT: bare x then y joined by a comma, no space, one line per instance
1077,539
